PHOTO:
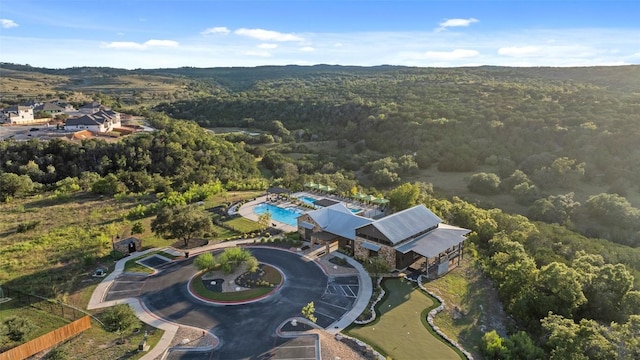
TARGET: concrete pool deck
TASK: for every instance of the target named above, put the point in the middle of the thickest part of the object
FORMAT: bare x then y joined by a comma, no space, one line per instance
246,210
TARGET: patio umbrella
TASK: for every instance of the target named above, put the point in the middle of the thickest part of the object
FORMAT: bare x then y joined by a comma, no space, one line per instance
380,201
359,196
311,185
369,198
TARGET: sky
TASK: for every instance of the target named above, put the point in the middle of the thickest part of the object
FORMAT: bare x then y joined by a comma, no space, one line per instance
148,34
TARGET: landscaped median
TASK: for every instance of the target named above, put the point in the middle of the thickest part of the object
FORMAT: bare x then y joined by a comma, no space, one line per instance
233,276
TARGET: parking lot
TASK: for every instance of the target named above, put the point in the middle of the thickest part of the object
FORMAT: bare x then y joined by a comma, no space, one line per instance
127,285
338,298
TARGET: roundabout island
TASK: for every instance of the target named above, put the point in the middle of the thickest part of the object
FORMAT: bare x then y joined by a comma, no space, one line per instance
246,318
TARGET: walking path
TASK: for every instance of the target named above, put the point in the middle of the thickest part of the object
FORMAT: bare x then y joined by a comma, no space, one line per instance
170,329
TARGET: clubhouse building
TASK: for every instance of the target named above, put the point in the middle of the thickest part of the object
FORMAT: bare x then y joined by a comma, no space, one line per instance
413,238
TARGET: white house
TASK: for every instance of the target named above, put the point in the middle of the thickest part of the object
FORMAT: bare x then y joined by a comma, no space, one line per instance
101,121
17,115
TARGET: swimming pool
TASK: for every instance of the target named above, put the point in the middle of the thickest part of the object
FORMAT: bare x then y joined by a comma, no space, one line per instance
288,215
307,199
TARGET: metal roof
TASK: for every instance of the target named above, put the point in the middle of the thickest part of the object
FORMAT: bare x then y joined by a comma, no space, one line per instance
338,219
404,224
435,241
370,246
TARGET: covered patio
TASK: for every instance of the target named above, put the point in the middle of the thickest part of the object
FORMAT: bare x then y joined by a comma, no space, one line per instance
434,253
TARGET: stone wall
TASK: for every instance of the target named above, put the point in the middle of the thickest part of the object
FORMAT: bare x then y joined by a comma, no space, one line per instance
386,252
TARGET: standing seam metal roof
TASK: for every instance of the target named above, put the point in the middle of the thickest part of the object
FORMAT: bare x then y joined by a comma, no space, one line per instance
339,220
406,223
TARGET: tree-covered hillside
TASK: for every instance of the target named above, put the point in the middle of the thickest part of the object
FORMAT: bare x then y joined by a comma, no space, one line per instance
541,131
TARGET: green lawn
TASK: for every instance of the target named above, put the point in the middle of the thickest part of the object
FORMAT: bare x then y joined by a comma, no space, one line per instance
243,225
399,331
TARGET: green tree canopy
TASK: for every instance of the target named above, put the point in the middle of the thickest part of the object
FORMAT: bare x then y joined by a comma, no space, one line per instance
182,222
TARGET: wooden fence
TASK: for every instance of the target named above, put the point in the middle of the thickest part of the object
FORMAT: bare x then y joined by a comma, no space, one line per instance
48,340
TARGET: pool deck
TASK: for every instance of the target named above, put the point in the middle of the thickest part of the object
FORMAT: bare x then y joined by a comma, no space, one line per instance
246,210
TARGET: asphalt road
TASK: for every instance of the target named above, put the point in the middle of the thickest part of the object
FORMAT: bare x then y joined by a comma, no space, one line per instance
245,331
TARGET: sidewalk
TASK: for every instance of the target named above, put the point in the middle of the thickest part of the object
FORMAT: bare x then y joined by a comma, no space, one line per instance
170,328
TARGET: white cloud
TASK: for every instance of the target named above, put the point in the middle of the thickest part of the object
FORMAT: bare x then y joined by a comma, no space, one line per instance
307,49
451,55
123,45
519,51
167,43
267,46
7,24
216,30
138,46
258,53
267,35
457,23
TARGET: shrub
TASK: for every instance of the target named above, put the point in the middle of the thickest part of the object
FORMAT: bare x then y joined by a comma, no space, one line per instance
26,226
17,328
57,354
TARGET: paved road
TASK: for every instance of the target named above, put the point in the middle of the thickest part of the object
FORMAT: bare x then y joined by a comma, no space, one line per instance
245,331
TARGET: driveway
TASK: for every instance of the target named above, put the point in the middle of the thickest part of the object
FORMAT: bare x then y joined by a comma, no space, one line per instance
247,331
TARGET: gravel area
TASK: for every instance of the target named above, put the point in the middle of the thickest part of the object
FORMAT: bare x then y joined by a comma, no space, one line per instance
331,348
333,269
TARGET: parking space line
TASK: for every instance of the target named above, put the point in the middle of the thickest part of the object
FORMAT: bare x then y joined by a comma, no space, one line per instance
345,288
336,306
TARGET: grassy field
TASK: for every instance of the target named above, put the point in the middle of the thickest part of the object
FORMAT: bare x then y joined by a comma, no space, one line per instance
466,289
69,240
44,321
399,331
243,225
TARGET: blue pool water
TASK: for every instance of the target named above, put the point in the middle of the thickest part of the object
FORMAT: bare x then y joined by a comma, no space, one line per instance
288,216
307,199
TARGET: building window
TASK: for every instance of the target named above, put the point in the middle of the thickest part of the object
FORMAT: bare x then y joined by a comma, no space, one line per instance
373,253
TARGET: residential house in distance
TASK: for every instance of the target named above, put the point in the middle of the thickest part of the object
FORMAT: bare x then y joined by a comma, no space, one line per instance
17,115
414,237
91,108
99,122
50,109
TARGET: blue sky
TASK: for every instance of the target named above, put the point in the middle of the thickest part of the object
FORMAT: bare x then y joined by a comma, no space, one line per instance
207,33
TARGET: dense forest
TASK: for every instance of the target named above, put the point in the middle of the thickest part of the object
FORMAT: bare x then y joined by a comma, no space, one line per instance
560,144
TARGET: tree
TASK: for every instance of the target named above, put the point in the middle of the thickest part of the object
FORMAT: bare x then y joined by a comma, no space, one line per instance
584,340
522,347
484,183
14,185
604,286
182,222
109,185
554,209
205,262
264,220
137,228
232,257
376,266
120,319
404,196
308,312
493,346
560,290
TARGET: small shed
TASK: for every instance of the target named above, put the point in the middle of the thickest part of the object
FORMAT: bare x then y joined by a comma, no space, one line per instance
128,245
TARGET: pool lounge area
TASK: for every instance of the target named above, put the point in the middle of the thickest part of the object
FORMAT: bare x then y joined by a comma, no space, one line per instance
285,211
287,215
